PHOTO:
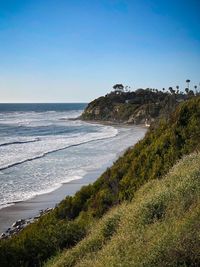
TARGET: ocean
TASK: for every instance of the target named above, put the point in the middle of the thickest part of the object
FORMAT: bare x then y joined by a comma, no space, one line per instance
42,147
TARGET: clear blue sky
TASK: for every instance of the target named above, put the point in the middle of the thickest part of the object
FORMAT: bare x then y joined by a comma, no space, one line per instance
75,50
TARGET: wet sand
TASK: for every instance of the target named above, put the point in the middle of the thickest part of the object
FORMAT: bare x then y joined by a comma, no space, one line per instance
31,207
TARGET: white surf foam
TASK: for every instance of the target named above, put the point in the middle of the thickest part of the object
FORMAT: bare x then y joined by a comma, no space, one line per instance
16,154
59,158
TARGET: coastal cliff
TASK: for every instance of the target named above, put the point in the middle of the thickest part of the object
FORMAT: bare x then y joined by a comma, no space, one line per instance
138,107
132,206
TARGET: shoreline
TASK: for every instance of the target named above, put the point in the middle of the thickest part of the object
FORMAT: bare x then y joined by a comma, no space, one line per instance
31,208
111,123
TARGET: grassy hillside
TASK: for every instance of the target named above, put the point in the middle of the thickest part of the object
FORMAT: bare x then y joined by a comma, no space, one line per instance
161,227
150,159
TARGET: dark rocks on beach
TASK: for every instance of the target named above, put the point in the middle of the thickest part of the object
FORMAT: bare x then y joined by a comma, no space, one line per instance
19,225
3,235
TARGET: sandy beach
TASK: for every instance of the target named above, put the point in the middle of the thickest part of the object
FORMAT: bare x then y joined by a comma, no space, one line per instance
30,208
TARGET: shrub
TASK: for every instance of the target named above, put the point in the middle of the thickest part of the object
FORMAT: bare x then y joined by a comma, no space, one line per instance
171,238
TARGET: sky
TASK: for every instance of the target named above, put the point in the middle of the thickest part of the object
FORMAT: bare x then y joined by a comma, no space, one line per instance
76,50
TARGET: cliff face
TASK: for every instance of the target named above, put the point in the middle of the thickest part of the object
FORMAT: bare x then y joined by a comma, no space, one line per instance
132,107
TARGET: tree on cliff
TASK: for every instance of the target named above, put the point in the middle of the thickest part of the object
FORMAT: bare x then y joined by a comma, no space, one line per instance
172,91
186,90
118,87
188,83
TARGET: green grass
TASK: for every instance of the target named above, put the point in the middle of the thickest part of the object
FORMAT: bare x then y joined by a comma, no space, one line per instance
160,227
151,158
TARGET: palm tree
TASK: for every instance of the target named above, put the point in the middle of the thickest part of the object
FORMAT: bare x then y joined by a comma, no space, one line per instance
177,89
188,82
195,88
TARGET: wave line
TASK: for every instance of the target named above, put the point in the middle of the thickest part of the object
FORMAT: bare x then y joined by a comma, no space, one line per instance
19,142
50,152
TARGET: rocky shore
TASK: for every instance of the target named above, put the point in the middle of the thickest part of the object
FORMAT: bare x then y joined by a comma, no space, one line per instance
19,225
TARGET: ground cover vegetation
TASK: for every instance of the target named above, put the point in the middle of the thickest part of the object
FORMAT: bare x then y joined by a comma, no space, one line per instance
150,159
160,227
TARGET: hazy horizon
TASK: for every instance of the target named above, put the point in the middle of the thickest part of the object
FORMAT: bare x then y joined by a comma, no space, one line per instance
43,103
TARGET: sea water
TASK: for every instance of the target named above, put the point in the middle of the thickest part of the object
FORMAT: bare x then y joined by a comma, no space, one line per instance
42,146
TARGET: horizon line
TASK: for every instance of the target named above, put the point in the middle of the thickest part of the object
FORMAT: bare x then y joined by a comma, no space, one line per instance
43,103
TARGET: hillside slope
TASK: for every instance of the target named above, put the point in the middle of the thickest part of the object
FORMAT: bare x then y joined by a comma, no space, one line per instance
150,159
161,227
